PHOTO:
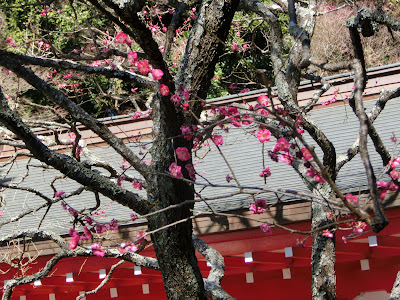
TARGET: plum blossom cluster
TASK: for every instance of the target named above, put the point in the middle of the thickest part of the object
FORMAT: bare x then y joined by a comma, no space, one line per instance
333,99
127,246
280,152
91,227
238,44
281,148
352,199
182,153
384,186
265,173
359,226
136,184
237,119
327,233
258,207
266,229
177,99
142,66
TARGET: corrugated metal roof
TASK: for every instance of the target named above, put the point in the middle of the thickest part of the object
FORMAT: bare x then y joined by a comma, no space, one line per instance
243,151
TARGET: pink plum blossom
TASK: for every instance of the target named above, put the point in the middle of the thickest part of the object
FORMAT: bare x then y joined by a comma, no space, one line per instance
175,170
132,57
258,207
382,184
286,158
136,115
73,212
137,184
187,133
327,233
87,234
120,180
266,228
182,153
330,101
263,100
393,163
236,122
157,74
143,67
351,198
394,174
58,194
186,94
247,120
121,38
359,227
234,46
393,187
266,172
163,89
73,242
318,178
98,250
131,247
218,140
263,135
175,98
100,228
228,178
306,154
281,145
382,194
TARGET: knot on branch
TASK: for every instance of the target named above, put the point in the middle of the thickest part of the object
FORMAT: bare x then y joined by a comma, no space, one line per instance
378,222
364,21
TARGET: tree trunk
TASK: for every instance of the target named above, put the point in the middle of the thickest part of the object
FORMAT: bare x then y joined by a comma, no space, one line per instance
323,282
174,246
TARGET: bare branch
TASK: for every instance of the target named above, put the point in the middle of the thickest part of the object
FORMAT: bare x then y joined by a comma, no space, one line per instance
103,282
69,65
77,113
384,97
213,282
380,220
67,165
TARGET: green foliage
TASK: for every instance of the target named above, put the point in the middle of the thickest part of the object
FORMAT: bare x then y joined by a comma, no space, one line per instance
246,63
63,24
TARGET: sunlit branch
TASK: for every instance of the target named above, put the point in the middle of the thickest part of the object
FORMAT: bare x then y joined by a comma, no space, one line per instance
103,282
69,65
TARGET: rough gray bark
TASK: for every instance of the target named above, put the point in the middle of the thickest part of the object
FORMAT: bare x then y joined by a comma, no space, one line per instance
323,278
174,246
395,294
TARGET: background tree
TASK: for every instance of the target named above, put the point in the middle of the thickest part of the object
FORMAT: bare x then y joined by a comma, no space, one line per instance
167,54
